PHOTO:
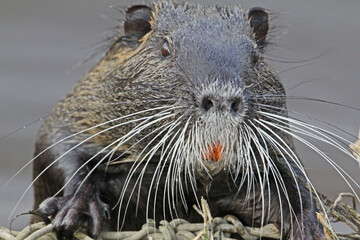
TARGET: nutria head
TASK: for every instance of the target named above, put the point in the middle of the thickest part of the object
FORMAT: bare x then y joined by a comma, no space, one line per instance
203,67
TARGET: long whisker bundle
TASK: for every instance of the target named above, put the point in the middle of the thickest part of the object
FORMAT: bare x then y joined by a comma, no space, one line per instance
74,147
319,136
78,133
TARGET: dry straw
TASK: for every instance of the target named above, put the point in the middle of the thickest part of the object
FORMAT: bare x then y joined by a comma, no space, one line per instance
211,228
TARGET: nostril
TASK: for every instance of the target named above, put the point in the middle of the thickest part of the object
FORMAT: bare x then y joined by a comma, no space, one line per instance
207,103
236,105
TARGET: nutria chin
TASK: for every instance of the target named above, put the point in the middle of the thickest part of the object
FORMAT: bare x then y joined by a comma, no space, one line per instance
182,105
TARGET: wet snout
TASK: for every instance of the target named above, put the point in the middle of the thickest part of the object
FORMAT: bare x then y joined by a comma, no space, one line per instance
232,105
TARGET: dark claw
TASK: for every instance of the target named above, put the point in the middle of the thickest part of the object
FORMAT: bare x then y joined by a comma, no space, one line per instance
50,206
107,214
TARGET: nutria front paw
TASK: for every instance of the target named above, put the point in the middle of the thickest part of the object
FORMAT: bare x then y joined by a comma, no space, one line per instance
67,212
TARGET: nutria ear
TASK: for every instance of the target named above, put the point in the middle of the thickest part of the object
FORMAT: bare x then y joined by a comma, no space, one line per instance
259,22
137,21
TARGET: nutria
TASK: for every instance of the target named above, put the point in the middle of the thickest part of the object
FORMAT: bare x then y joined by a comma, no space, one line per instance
182,105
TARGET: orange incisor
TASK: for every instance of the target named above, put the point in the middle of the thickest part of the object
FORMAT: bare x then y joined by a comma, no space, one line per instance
215,152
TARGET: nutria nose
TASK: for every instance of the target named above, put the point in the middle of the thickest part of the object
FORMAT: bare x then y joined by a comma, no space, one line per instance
233,105
207,104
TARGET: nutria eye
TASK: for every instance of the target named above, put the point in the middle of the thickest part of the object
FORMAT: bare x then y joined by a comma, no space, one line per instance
165,50
255,57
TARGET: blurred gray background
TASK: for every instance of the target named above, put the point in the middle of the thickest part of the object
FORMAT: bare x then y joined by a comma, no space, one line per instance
42,40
